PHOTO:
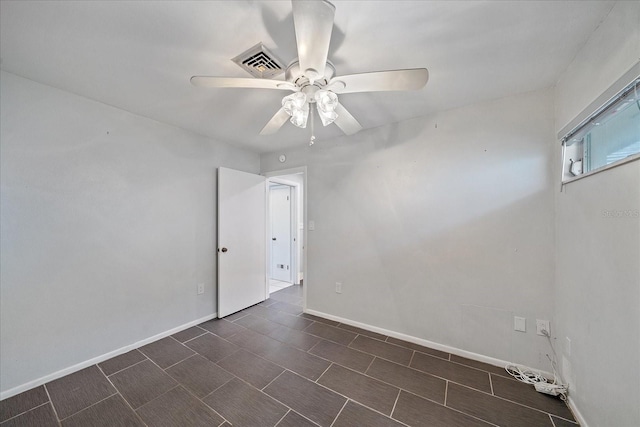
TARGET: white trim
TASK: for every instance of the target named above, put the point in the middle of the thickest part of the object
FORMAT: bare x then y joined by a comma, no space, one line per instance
79,366
576,413
426,343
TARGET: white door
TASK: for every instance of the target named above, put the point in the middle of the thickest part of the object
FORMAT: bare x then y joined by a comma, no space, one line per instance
241,240
280,215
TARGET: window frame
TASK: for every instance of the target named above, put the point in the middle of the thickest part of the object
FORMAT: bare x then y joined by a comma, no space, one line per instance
606,99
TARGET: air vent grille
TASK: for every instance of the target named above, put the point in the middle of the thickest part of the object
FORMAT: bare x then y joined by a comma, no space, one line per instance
259,62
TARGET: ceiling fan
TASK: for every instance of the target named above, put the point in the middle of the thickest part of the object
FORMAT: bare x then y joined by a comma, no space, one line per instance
312,78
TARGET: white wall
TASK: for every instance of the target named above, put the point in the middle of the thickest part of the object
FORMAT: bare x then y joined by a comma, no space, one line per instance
107,226
610,51
440,227
598,266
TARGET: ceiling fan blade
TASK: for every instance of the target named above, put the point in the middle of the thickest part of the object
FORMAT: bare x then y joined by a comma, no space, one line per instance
313,22
276,122
409,79
346,122
240,82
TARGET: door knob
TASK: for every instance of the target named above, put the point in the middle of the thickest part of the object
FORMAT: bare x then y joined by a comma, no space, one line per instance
224,249
273,238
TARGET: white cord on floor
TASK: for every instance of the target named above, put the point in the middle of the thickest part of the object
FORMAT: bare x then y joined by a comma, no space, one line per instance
529,376
525,375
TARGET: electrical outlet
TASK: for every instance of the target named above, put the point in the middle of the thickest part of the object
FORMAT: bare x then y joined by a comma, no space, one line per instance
200,288
338,287
519,324
542,325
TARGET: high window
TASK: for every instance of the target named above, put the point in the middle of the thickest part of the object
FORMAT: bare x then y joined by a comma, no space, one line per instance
607,137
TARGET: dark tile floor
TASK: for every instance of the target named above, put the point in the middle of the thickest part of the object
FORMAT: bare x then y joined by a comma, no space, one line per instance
271,365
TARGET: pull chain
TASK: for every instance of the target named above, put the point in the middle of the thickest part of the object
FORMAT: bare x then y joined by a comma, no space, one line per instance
313,137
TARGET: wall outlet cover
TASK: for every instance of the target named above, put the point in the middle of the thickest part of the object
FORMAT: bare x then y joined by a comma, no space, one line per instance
200,288
519,324
542,325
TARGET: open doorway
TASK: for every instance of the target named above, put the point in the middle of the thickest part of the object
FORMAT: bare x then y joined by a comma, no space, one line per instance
285,229
282,231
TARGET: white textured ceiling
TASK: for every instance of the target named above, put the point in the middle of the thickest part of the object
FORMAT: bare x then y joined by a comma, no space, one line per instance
139,55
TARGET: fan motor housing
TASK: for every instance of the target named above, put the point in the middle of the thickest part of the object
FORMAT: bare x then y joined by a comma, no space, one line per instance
295,75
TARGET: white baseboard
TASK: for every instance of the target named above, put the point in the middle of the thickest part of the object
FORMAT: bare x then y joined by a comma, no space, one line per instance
79,366
576,413
426,343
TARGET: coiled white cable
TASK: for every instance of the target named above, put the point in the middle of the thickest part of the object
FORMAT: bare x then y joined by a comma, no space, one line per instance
525,374
529,376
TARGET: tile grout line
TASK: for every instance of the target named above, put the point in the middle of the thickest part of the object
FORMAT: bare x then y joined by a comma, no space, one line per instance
204,331
121,396
323,372
292,410
446,390
178,385
312,347
270,396
473,416
491,385
124,369
473,367
370,363
234,320
92,405
215,389
339,412
55,411
565,419
195,353
201,400
32,409
263,388
283,417
255,354
411,359
553,424
395,403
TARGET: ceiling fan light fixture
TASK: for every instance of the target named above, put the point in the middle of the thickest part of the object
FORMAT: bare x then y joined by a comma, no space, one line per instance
297,107
299,117
327,102
327,117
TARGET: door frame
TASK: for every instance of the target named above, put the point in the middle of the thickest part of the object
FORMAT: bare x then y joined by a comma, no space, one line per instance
272,176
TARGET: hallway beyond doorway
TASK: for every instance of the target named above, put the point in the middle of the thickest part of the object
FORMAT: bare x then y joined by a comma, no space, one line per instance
276,285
